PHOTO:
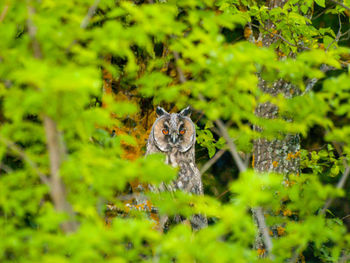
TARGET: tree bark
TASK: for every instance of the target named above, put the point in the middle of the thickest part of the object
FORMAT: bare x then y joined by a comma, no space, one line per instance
55,144
277,155
56,152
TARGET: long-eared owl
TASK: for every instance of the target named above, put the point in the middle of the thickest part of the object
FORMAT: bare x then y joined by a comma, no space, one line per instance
174,134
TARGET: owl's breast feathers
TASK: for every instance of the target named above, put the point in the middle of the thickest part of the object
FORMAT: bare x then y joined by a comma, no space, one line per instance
189,178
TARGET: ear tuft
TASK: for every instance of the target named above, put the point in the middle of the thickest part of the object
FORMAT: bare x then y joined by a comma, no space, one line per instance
160,111
186,112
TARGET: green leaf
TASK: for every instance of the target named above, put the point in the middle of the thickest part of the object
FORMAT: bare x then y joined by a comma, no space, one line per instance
321,3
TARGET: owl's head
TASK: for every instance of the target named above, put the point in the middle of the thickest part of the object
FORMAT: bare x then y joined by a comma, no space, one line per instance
174,130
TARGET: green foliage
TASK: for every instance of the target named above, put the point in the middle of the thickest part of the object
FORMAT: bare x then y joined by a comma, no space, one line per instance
52,65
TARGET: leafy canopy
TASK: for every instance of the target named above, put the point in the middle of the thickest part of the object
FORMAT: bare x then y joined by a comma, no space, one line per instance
96,71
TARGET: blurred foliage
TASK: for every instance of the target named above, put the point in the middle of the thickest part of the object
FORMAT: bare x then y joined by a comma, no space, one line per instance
99,68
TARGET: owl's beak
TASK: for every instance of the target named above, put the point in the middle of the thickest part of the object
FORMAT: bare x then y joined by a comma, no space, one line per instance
173,138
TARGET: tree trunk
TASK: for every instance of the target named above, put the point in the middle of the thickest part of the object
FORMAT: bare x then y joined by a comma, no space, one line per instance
277,155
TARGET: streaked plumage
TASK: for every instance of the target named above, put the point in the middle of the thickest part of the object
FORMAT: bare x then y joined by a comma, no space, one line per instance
174,134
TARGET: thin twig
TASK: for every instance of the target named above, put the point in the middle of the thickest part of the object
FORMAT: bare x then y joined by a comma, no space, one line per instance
341,4
4,12
280,37
347,32
321,13
32,31
231,146
344,258
345,217
7,169
223,193
340,185
213,160
258,211
339,34
89,14
54,146
85,22
312,82
56,155
295,256
182,77
21,153
247,159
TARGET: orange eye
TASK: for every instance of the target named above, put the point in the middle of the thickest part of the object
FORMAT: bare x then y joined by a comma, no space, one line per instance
182,132
165,131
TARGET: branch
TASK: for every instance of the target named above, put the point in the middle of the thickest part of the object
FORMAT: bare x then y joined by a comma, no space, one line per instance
32,31
4,12
340,185
7,169
312,82
55,149
347,32
280,37
322,12
345,258
258,213
231,146
85,22
89,14
56,153
21,153
213,160
341,4
182,77
339,34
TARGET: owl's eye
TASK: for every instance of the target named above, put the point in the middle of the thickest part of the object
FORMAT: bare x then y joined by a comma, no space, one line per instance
182,131
165,131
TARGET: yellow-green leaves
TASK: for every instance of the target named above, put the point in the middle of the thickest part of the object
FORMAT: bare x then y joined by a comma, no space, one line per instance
99,68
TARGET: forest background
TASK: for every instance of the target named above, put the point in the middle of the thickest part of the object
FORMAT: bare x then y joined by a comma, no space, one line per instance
269,85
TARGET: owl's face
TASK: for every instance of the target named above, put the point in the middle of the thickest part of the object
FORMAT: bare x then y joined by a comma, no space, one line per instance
175,130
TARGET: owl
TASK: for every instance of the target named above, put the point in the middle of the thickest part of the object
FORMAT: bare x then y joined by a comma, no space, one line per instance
174,135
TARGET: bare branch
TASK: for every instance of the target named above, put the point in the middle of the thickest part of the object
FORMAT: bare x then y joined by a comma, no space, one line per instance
258,211
247,159
5,168
54,144
342,181
340,185
340,4
4,12
339,34
344,258
312,82
32,31
85,22
231,146
259,215
89,14
344,217
295,256
321,13
281,37
347,32
182,77
213,160
21,153
56,153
